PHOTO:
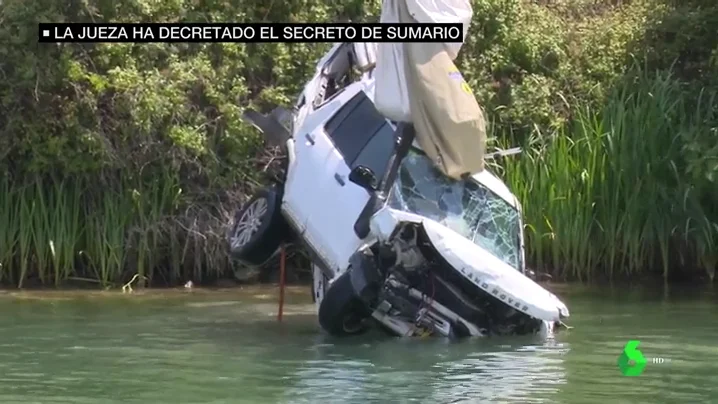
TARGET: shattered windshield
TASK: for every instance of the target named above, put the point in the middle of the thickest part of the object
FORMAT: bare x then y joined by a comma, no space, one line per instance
466,207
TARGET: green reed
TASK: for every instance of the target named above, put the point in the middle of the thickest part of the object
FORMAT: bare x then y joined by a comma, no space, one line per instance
108,219
56,229
617,191
155,204
8,230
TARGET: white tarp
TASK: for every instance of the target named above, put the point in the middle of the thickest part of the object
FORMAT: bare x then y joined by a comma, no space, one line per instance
443,11
392,95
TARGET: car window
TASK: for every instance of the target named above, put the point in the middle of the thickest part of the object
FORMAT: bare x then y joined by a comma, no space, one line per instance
377,152
353,125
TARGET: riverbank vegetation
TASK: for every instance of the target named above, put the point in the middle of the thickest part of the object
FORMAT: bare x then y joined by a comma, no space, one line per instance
124,159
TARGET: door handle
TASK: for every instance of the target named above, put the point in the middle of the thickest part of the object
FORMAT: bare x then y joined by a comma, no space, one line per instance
310,138
339,179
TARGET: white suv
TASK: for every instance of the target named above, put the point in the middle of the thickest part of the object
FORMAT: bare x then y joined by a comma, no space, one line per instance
393,241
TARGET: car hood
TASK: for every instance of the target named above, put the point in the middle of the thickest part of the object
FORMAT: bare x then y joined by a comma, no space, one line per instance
482,268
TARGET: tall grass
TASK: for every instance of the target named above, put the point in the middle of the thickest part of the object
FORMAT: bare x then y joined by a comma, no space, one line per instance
623,190
620,190
54,230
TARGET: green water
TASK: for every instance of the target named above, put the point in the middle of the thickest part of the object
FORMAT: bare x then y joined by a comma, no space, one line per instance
226,347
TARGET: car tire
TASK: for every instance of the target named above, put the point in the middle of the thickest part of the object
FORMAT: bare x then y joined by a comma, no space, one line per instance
341,311
258,228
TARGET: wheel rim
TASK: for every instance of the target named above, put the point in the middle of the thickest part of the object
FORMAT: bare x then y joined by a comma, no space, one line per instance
248,224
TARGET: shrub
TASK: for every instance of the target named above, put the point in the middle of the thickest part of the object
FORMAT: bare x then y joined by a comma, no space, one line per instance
121,158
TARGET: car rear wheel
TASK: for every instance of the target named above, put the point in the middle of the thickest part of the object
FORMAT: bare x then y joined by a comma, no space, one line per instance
258,229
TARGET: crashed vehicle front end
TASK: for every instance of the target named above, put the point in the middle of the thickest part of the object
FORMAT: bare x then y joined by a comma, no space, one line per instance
449,260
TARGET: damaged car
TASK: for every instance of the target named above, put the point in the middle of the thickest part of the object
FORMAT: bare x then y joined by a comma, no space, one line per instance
394,243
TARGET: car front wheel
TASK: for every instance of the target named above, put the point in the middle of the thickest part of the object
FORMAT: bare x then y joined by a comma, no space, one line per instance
341,311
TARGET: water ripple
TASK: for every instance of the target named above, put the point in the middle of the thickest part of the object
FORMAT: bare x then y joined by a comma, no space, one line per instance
227,351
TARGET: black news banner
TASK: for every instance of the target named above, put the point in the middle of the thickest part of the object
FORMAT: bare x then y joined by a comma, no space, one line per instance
252,32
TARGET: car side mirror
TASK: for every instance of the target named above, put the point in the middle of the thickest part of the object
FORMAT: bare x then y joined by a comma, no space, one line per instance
364,177
275,126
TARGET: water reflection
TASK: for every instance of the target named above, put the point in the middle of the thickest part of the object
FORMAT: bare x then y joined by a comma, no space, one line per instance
432,371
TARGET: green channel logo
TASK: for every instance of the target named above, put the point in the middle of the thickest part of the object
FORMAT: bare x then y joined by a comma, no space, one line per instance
632,362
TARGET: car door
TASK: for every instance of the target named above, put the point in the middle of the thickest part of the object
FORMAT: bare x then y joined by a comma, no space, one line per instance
311,150
303,198
361,136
